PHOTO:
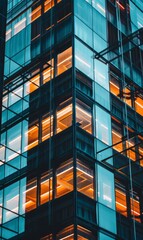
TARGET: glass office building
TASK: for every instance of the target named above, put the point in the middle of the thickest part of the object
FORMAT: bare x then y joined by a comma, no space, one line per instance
71,136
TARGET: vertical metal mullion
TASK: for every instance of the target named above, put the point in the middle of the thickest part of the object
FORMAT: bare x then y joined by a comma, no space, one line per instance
3,14
74,124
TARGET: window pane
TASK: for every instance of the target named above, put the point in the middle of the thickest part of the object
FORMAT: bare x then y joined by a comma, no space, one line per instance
101,74
66,234
64,176
47,127
135,208
48,73
117,136
83,116
85,180
31,191
64,116
83,32
121,202
31,136
48,4
32,85
103,126
11,201
13,142
36,13
64,61
83,59
46,188
139,105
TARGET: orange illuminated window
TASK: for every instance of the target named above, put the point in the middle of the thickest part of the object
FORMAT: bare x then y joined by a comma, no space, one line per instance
127,96
48,237
83,234
85,180
117,136
64,61
46,188
32,84
48,73
66,234
114,86
141,150
48,4
47,127
135,208
83,116
36,13
121,204
31,137
130,144
139,105
31,191
64,116
64,177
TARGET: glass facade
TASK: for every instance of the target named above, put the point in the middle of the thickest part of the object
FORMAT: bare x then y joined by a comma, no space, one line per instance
71,136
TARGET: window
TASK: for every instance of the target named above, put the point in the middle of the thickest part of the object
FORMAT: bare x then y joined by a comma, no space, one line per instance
13,142
48,237
31,135
46,188
47,127
8,34
64,61
32,85
31,197
48,72
103,126
64,116
84,59
139,105
130,146
11,202
83,116
64,179
83,234
66,234
36,13
121,201
135,207
85,179
48,4
114,86
19,26
117,136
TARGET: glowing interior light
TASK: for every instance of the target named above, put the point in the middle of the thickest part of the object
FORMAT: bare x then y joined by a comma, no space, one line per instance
139,24
114,85
120,5
107,198
100,7
82,61
116,134
121,205
64,60
139,104
67,237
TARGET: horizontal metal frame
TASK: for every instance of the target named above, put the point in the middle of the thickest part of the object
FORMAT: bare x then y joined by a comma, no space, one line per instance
135,38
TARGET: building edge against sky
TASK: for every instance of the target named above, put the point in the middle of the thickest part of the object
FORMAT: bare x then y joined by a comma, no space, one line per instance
71,141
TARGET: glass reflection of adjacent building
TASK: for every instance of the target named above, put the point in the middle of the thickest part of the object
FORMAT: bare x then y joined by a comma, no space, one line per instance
71,152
